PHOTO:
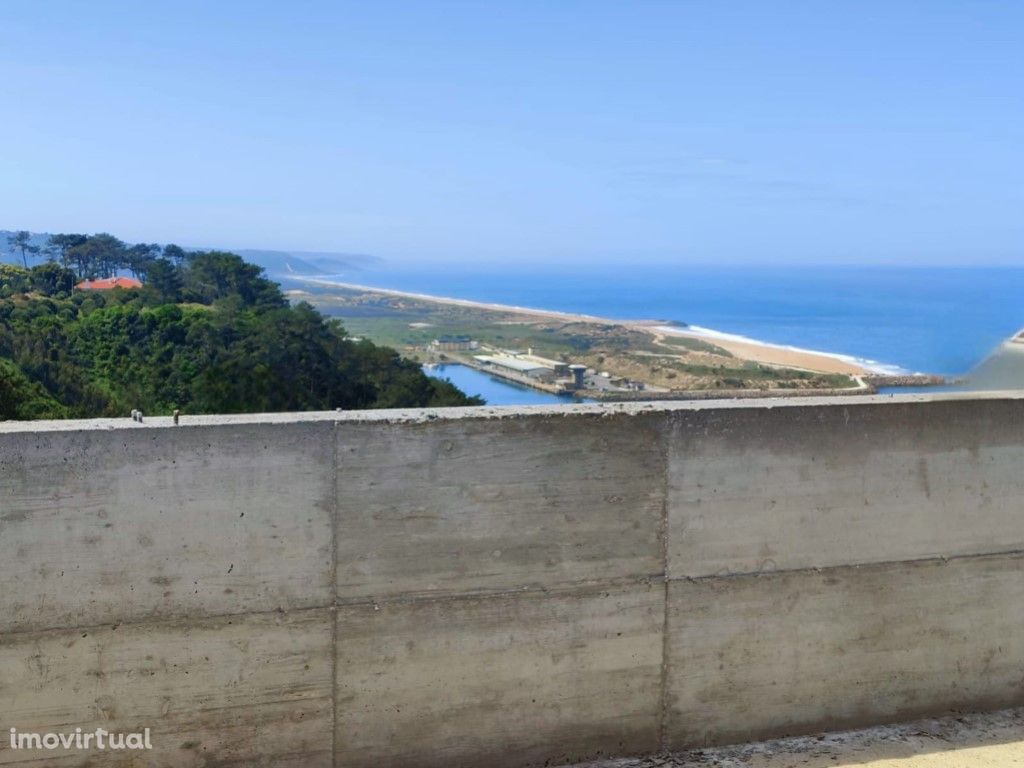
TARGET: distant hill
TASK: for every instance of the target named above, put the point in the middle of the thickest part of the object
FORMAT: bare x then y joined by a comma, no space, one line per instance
280,264
306,263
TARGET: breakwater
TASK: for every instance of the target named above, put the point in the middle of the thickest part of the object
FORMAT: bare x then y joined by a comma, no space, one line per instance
907,380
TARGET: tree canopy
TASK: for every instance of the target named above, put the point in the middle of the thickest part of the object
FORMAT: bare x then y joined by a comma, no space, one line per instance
207,333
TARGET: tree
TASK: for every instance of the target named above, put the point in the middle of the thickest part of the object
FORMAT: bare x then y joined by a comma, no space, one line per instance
57,246
208,335
140,257
99,256
51,279
21,398
163,282
213,275
176,254
13,279
21,241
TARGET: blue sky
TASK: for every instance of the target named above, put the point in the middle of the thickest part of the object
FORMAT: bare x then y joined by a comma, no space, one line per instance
662,131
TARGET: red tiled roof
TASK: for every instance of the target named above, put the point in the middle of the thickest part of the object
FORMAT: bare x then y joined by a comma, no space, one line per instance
105,284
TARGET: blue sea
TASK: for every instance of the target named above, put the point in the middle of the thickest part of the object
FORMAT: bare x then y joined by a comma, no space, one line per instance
915,319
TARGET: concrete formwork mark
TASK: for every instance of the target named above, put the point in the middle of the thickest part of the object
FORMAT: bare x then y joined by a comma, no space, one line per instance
591,548
335,522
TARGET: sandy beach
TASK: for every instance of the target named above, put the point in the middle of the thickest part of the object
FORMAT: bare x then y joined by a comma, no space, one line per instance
746,349
761,352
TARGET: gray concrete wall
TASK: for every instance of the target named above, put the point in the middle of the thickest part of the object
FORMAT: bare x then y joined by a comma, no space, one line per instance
501,587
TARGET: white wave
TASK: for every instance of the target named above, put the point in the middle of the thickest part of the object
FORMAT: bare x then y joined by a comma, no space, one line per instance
874,366
692,330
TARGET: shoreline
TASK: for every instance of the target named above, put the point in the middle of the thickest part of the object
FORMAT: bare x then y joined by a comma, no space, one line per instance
766,353
770,352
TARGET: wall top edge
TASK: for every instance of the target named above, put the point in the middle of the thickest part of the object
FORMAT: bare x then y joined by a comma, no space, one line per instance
424,415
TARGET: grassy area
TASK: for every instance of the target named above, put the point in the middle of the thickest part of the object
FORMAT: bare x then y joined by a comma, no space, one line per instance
755,375
674,362
696,345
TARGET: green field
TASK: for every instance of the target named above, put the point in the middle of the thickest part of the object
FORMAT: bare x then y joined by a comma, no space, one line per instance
672,362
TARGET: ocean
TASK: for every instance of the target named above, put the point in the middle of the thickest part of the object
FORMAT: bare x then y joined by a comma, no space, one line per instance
941,320
917,319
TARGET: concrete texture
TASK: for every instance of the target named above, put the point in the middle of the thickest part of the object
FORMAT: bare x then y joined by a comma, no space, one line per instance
100,527
767,489
229,691
758,656
510,587
505,680
454,507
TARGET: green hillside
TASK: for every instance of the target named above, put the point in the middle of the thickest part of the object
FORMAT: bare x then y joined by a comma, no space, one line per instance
208,333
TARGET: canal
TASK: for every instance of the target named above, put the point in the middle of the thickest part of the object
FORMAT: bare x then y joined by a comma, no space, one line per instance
492,389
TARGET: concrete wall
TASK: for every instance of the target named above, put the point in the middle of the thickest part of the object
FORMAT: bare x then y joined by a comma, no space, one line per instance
493,587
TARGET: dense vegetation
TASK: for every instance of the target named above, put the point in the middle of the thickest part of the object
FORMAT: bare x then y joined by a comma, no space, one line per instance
208,333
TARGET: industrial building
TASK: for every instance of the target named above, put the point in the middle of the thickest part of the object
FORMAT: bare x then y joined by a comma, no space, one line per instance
453,343
579,373
517,364
522,365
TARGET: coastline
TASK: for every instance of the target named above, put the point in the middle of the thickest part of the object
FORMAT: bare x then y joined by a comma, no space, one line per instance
548,313
754,350
784,354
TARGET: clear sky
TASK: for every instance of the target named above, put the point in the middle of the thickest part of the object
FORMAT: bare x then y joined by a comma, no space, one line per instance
712,131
